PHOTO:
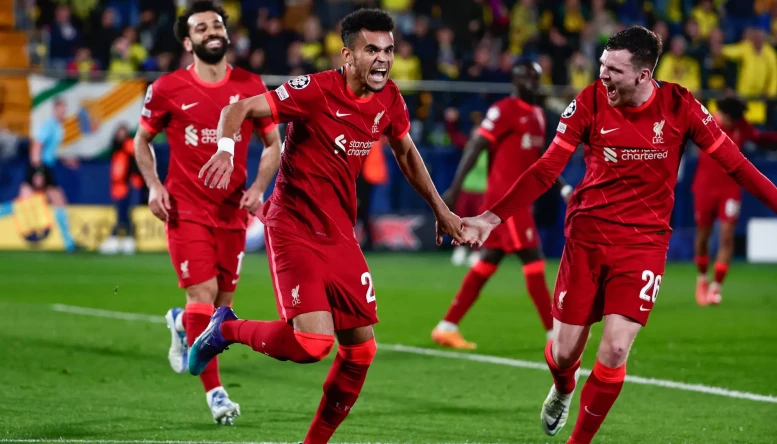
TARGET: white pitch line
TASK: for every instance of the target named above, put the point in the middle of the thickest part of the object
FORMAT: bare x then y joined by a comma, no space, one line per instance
498,360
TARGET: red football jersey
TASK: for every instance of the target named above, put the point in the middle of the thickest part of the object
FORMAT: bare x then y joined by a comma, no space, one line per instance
330,132
709,176
631,156
188,108
516,131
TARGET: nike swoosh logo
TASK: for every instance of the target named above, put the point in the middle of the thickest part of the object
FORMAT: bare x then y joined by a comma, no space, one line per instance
552,427
185,106
641,308
603,131
341,115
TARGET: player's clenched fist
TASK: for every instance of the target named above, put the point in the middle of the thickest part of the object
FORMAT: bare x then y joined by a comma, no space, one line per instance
450,224
218,170
159,202
252,199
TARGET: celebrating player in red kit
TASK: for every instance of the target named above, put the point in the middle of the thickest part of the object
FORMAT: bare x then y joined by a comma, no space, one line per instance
513,132
323,286
206,228
717,196
617,225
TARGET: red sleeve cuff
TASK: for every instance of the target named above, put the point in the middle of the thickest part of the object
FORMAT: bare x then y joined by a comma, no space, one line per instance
564,144
487,134
715,145
273,108
147,126
404,133
267,128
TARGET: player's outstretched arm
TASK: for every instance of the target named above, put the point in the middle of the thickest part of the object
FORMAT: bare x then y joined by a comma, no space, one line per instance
534,181
412,166
468,160
728,156
218,169
158,198
268,165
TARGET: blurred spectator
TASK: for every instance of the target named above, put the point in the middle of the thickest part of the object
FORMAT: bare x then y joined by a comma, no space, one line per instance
705,15
523,27
256,62
103,37
407,65
122,65
677,67
312,44
333,42
715,72
757,65
137,52
65,38
447,62
374,172
424,46
296,65
401,10
581,71
83,65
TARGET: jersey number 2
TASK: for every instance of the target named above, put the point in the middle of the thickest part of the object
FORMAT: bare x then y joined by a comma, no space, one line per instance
653,281
367,280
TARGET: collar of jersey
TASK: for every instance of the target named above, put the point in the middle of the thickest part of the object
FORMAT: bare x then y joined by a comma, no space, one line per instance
636,109
197,78
350,93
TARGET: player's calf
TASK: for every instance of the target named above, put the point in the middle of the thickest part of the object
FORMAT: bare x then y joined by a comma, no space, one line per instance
341,389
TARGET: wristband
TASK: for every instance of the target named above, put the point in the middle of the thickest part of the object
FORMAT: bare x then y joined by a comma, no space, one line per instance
226,144
566,190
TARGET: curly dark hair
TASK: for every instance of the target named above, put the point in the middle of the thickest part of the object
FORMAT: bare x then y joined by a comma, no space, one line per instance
369,19
733,107
644,45
182,22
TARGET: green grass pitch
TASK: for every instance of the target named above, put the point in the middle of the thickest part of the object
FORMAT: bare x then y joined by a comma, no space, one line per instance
78,377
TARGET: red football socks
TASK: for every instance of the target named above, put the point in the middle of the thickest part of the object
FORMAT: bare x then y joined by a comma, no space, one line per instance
596,399
473,282
720,272
538,290
702,262
564,378
341,389
196,317
278,340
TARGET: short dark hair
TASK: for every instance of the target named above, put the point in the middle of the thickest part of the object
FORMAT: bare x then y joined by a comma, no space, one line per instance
182,22
733,107
644,45
376,20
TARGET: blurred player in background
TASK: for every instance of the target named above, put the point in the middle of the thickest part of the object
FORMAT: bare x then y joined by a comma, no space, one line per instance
323,286
40,173
124,176
617,225
513,134
206,228
718,196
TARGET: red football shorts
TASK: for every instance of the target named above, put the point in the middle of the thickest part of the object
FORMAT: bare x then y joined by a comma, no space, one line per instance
200,253
596,280
723,205
468,204
517,233
309,276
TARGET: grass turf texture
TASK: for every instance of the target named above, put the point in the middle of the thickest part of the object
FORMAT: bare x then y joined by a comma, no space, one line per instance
79,377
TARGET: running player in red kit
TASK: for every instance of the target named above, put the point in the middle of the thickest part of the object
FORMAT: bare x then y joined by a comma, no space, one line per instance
322,284
617,225
206,228
513,132
717,196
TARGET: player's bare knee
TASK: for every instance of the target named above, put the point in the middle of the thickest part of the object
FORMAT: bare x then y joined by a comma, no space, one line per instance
204,292
614,352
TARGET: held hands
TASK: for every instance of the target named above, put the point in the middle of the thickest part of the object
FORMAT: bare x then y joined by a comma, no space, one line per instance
450,224
476,229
